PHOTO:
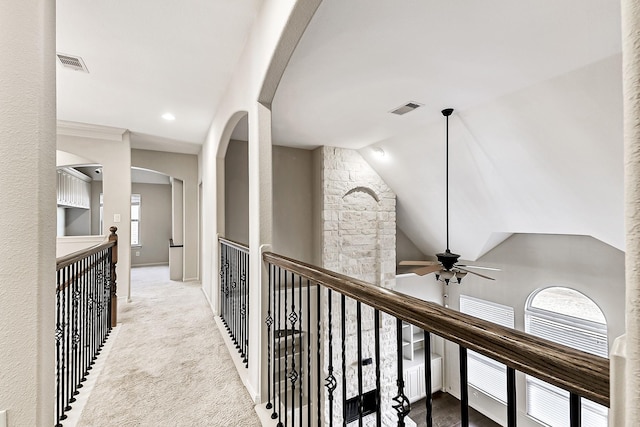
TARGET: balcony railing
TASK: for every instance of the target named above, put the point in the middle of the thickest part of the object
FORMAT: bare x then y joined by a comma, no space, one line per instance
335,354
86,307
234,294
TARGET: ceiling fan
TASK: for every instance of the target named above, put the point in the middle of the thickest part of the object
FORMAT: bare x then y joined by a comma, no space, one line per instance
447,267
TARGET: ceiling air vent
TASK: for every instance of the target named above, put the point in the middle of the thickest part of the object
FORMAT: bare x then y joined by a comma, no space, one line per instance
404,109
73,62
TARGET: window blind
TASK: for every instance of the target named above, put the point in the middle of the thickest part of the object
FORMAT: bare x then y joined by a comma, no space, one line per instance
550,404
484,373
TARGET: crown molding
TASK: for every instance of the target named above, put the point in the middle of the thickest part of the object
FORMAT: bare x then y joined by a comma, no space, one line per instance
85,130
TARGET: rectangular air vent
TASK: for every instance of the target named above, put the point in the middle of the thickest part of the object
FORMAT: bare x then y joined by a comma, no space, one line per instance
73,62
404,109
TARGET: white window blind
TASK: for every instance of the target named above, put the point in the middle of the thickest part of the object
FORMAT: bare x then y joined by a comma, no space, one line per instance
484,373
548,403
135,219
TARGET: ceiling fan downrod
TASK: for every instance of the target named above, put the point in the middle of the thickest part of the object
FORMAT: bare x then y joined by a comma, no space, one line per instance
446,113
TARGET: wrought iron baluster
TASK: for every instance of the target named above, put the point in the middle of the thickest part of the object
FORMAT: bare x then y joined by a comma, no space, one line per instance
319,352
330,381
343,351
464,389
279,333
359,339
575,410
309,353
402,405
293,375
248,284
376,326
286,350
67,330
300,342
269,321
511,397
427,378
59,333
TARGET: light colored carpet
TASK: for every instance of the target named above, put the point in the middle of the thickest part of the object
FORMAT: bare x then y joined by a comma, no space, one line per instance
168,365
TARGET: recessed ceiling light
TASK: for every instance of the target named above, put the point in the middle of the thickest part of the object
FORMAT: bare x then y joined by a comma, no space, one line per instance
379,152
169,117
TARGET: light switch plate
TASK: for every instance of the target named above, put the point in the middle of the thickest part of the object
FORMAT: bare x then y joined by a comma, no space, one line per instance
3,418
116,217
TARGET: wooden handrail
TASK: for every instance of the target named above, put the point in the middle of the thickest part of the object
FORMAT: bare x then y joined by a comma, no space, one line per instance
573,370
111,241
69,259
237,245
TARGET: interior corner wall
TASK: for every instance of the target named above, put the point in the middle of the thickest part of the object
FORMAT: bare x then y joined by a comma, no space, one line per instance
293,203
115,158
185,168
155,224
406,249
529,262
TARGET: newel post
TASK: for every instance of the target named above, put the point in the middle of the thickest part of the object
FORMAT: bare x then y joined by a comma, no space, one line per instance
113,237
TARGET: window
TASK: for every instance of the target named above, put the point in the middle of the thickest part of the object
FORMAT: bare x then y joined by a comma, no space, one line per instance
484,373
567,317
135,220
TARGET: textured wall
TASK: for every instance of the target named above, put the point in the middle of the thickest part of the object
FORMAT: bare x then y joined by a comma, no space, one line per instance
359,240
631,93
28,212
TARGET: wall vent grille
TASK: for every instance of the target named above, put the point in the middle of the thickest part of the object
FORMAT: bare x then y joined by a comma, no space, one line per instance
73,62
405,108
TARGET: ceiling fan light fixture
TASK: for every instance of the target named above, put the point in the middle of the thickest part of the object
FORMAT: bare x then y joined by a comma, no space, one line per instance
460,275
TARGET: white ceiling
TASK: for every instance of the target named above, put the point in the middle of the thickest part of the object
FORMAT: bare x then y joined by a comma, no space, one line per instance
149,57
536,139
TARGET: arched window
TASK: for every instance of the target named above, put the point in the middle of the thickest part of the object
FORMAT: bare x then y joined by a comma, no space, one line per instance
567,317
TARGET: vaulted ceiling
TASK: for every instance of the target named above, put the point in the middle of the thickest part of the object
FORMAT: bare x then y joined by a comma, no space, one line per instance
536,138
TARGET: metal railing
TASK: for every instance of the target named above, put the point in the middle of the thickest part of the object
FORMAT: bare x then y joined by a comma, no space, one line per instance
234,294
329,337
86,307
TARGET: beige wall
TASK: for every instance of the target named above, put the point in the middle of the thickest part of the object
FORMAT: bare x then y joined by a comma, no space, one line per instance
293,203
236,193
185,168
155,224
534,261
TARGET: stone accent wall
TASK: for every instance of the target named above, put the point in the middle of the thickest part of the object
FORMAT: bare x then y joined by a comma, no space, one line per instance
358,240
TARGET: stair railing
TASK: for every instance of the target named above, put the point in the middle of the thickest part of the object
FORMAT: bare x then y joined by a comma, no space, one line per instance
315,315
234,294
86,311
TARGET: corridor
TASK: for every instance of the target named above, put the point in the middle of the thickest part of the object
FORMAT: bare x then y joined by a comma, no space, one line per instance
168,365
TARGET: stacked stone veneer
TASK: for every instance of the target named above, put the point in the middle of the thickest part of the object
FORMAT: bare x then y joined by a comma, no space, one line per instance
358,240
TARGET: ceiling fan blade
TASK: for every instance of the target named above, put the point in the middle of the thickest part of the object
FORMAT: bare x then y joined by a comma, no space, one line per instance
426,270
419,263
473,272
479,267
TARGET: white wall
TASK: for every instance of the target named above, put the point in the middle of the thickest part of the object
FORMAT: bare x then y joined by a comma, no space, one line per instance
28,212
274,36
534,261
111,148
